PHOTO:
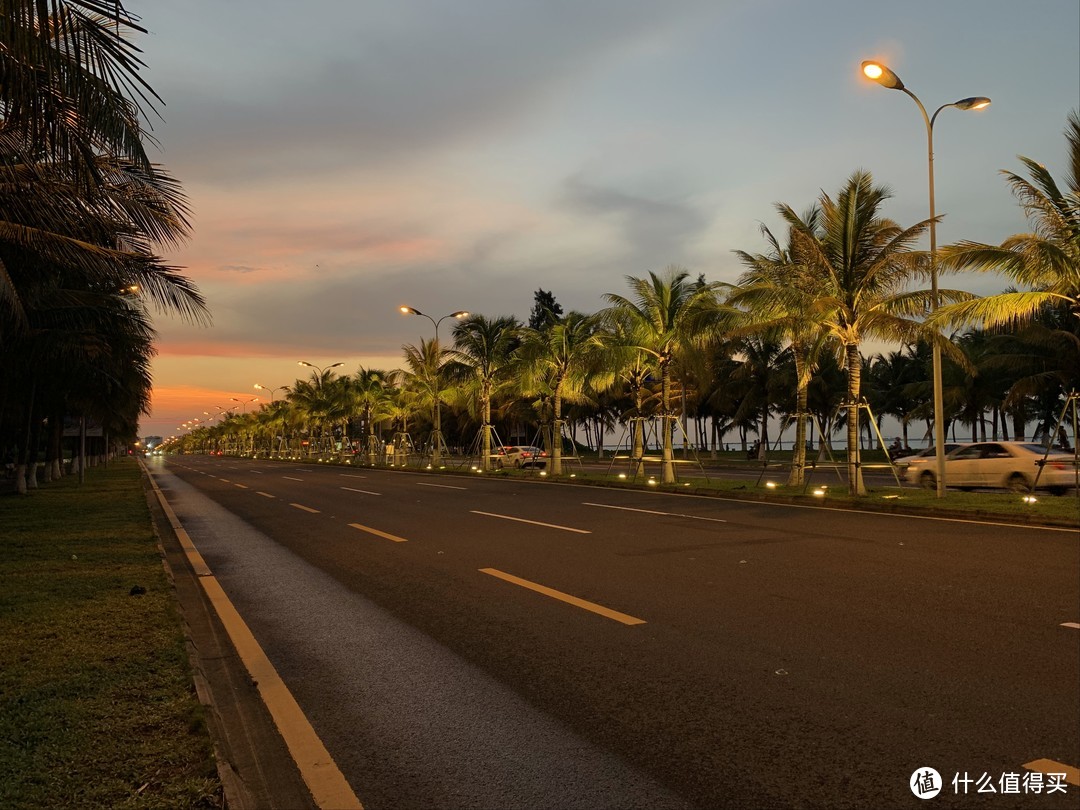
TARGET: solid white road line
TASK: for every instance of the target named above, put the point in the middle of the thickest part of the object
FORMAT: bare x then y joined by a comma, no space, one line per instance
363,491
305,508
654,512
533,522
376,532
608,613
440,486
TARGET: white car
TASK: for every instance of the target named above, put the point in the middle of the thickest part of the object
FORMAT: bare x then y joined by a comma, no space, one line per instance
519,456
1008,465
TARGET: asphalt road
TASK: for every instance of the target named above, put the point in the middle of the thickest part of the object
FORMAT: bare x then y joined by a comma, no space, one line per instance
718,654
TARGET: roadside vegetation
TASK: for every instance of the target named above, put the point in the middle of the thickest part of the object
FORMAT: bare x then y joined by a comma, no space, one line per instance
683,361
97,704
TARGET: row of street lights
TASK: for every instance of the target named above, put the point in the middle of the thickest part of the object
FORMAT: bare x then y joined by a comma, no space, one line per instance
873,70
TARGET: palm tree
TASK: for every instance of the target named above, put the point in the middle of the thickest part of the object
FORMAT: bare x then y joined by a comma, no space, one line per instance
370,391
484,347
863,263
777,292
666,316
560,363
1045,262
424,379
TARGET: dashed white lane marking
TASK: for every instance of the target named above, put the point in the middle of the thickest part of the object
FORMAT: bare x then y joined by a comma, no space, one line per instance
242,486
257,472
362,491
1074,625
350,475
440,486
533,522
654,512
305,508
265,494
1071,774
291,479
376,532
563,597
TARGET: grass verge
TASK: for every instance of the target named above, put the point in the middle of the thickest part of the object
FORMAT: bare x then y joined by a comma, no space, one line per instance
97,706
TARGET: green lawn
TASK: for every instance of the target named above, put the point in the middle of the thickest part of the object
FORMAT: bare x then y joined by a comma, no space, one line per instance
97,706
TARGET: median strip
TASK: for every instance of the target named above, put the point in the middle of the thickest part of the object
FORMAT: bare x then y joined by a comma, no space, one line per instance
376,532
533,522
305,508
600,610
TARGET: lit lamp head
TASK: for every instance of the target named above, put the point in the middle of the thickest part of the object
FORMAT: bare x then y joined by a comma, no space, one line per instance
459,315
973,103
875,71
410,311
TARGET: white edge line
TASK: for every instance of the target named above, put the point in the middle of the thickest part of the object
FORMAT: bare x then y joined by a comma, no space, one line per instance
1035,527
533,522
653,512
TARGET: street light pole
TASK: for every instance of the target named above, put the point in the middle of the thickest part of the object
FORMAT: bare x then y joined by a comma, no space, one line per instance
271,390
886,78
436,432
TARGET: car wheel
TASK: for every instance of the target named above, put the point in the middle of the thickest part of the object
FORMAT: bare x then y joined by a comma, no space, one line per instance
928,480
1018,483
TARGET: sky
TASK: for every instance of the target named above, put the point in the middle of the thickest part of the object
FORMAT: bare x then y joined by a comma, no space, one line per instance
342,159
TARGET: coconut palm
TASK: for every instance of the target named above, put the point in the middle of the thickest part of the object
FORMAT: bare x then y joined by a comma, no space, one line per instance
863,264
425,380
560,364
483,348
777,291
665,317
1045,263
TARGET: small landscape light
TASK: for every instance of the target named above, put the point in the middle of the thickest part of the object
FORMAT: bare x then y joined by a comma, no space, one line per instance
622,476
1030,499
543,473
573,475
770,485
820,493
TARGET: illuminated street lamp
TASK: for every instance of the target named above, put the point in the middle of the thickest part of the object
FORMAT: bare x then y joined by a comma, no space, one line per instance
271,390
244,402
318,369
436,432
875,71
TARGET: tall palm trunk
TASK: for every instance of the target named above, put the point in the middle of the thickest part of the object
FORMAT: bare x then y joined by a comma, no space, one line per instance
798,452
854,375
637,436
485,442
556,434
667,469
